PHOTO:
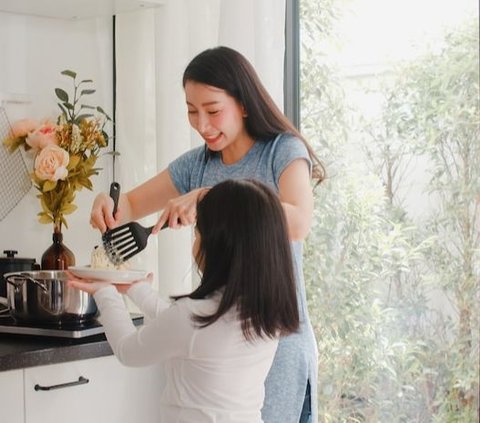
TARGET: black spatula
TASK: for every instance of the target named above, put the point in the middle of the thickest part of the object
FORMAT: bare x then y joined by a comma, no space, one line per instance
123,242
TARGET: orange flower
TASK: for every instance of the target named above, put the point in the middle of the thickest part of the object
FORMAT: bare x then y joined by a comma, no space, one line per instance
51,163
66,151
23,127
42,136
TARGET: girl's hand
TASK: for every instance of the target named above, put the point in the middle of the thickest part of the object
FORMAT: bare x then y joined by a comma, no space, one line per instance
181,211
87,286
92,286
101,214
123,288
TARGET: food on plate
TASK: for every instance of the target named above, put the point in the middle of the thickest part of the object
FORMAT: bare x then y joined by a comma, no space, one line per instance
100,260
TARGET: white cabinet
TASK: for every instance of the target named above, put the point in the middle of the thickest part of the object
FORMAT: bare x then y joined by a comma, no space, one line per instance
11,396
113,393
95,390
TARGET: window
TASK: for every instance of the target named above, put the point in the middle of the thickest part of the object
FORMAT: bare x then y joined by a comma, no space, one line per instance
389,97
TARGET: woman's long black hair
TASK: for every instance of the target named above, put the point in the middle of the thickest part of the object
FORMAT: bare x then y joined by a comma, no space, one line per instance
244,250
227,69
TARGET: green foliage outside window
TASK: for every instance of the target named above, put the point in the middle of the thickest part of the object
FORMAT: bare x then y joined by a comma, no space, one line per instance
394,298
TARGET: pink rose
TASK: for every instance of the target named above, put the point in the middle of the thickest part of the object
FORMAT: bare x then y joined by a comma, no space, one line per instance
51,163
23,127
42,136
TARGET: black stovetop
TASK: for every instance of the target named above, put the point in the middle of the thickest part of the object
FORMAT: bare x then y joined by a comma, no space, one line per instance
65,330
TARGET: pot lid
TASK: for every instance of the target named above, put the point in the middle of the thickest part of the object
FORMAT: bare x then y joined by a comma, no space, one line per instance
10,258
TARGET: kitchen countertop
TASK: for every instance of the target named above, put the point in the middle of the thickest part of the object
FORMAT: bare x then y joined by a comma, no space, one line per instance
21,351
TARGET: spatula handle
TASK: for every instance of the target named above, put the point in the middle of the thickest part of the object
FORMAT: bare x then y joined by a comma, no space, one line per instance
115,194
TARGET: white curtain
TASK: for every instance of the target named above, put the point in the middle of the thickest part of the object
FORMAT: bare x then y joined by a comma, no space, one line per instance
153,48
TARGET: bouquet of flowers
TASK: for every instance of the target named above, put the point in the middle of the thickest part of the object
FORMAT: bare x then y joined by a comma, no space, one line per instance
65,151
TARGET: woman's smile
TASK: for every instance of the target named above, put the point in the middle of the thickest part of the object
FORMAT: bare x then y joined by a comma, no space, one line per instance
212,139
219,119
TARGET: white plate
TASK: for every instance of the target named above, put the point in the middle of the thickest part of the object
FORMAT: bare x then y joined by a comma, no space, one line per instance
114,276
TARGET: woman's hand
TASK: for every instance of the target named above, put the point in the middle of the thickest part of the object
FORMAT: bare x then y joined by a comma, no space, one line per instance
181,211
101,215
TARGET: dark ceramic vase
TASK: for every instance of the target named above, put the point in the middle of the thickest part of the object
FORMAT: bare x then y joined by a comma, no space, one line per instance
58,256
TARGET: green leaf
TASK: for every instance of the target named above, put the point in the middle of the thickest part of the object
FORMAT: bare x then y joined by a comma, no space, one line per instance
100,110
49,186
86,92
64,111
96,170
61,94
90,162
43,203
69,209
44,218
74,160
69,73
85,182
106,138
85,106
84,81
68,106
14,143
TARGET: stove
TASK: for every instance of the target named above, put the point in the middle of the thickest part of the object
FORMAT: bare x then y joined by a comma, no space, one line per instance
75,330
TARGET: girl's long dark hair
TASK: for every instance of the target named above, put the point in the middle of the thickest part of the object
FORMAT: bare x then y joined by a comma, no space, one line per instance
227,69
244,250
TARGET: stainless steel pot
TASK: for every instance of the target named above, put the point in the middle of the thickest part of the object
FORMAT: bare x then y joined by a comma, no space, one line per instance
44,297
10,263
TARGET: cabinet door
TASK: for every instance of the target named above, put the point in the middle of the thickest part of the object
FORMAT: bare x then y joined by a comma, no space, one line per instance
11,396
96,390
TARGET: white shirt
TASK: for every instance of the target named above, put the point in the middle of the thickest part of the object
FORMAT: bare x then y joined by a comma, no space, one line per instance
213,374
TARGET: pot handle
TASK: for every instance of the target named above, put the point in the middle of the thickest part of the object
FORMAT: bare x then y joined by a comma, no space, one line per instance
18,279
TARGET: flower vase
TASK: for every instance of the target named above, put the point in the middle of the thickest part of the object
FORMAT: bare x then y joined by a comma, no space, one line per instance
58,256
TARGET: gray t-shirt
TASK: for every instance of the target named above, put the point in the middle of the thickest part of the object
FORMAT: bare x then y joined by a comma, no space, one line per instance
296,357
265,161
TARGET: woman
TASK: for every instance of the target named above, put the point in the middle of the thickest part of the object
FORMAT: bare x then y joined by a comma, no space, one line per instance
217,343
246,136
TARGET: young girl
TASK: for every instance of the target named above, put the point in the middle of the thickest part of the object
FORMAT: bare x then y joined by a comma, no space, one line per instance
246,136
217,344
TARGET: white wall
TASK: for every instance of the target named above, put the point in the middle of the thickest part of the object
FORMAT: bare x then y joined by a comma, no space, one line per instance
33,52
153,48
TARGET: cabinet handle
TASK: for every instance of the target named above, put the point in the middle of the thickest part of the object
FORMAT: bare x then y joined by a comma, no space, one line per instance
81,381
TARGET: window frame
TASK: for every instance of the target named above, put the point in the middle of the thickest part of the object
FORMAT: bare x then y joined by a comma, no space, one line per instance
291,79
